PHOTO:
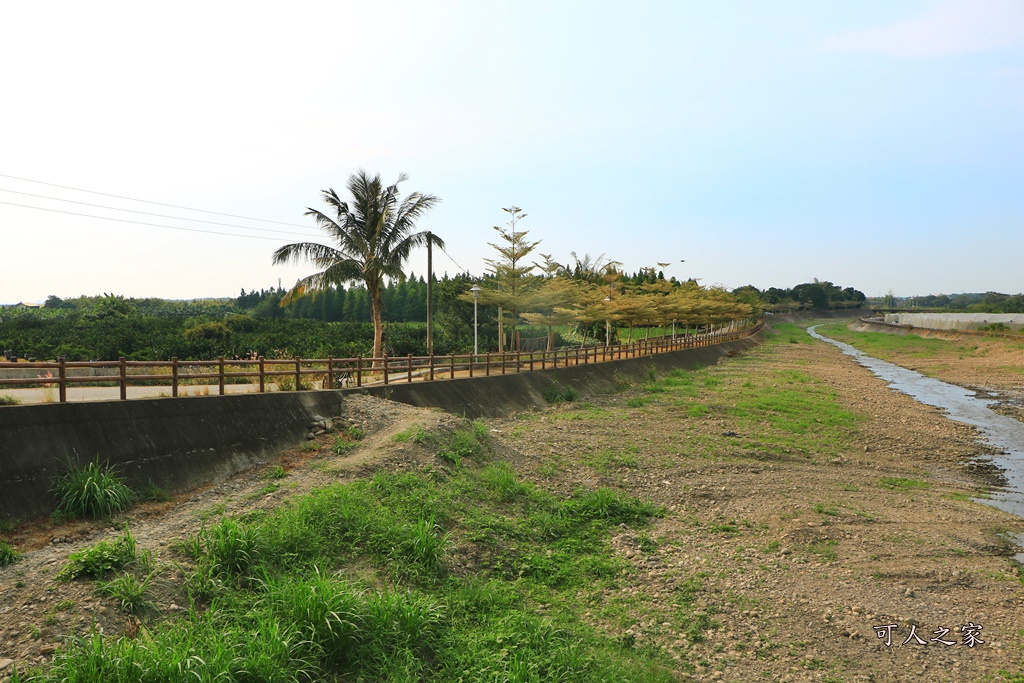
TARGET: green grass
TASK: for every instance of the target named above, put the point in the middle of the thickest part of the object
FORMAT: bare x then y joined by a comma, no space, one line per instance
415,434
887,346
8,555
902,484
100,559
464,443
275,472
607,460
91,490
824,550
416,576
558,394
8,400
129,591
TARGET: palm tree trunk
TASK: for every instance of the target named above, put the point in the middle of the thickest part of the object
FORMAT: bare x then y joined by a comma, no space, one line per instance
378,328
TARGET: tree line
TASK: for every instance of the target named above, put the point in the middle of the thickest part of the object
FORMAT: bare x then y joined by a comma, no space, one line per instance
977,302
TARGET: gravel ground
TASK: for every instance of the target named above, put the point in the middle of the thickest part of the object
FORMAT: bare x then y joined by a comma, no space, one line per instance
794,554
821,553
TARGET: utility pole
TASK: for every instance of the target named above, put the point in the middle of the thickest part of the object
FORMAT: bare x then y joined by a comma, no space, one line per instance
430,294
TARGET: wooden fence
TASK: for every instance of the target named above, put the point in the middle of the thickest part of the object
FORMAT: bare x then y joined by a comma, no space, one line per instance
333,373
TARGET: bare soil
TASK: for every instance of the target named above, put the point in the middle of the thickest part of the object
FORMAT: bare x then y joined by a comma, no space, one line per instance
796,556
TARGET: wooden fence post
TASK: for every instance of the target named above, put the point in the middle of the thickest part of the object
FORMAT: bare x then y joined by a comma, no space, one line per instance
330,372
359,371
298,374
487,364
220,374
409,371
452,358
263,375
124,377
431,367
385,368
174,377
62,374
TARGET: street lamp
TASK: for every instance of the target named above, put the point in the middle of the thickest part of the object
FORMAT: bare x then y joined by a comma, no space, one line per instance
476,295
607,326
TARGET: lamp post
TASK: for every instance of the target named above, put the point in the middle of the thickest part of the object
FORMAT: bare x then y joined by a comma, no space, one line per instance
607,326
476,295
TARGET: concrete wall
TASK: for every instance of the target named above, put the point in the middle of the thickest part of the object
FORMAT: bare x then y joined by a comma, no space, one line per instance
175,443
500,395
956,321
182,443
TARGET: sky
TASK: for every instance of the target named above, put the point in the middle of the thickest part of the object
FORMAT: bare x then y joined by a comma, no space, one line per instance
876,144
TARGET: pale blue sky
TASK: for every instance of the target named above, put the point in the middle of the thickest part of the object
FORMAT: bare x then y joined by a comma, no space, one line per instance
875,144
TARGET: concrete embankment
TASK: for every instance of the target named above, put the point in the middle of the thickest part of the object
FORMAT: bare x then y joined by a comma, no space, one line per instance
869,325
178,444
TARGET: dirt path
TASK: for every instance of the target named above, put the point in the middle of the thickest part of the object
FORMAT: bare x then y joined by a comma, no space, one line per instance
793,531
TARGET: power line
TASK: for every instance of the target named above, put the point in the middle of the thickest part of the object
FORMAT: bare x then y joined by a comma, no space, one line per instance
461,269
146,201
154,225
159,215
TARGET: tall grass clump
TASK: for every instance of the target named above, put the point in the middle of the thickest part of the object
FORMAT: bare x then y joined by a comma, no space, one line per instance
92,490
8,555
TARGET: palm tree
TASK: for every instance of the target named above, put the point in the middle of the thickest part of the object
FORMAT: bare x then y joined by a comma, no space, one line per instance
373,239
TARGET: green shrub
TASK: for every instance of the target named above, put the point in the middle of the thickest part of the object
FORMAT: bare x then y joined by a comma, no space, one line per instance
101,558
92,490
8,400
557,394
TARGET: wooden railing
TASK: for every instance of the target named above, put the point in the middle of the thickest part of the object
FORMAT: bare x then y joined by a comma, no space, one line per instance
334,373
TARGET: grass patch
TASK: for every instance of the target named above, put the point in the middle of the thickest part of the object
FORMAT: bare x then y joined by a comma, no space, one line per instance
558,394
697,410
153,493
275,472
8,555
8,400
129,591
608,460
824,550
903,484
92,490
464,443
103,557
359,581
415,434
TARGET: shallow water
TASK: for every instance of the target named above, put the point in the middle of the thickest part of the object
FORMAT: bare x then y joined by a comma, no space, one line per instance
1003,433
